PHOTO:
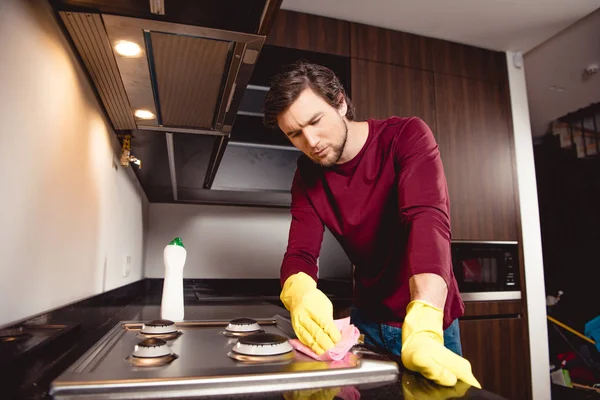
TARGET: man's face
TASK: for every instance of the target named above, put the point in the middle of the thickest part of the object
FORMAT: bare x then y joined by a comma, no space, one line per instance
315,128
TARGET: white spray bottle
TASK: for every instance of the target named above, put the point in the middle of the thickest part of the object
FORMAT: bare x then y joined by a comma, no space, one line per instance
172,297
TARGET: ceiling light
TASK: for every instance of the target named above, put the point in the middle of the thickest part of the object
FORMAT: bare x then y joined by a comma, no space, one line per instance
128,49
144,114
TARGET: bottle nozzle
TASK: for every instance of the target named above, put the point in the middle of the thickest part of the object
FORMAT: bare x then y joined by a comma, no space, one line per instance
177,242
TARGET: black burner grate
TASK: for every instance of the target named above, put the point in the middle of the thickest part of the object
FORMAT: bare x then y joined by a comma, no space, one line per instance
243,321
263,339
160,322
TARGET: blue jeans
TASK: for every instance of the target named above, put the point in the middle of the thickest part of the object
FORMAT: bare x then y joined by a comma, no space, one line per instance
389,338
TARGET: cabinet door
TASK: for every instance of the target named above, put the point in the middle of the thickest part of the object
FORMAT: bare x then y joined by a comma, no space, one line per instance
468,61
383,90
310,32
497,353
476,147
390,47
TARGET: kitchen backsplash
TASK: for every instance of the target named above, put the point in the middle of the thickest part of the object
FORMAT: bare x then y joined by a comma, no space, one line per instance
231,242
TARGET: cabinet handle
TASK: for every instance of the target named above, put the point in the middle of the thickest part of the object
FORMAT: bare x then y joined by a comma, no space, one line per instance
487,317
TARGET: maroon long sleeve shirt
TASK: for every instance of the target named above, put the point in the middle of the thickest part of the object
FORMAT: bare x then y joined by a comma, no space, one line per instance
389,209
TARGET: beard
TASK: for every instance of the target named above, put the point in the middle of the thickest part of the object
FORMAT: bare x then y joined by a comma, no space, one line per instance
336,150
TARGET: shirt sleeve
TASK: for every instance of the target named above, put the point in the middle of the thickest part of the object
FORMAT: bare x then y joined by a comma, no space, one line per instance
305,235
423,201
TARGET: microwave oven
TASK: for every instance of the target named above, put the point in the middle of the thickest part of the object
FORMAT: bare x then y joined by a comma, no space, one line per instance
487,270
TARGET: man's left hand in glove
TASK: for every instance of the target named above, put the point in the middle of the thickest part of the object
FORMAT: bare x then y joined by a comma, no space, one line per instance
423,348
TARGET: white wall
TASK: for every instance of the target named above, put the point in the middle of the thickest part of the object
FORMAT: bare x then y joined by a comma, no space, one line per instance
231,242
531,234
68,218
560,62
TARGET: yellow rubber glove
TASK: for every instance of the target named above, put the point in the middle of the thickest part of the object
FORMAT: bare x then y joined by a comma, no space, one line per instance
423,348
311,313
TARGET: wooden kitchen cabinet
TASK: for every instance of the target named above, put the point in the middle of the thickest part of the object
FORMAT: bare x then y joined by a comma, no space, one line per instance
503,308
310,32
475,144
390,47
496,349
470,120
383,90
468,61
460,91
414,51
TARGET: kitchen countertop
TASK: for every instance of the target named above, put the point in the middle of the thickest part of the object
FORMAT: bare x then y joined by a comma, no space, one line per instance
28,374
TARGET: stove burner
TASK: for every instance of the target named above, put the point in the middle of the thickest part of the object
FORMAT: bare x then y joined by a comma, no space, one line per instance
262,347
242,327
151,352
161,329
13,334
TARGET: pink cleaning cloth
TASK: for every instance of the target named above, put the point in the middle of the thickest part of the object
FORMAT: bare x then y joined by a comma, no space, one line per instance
350,335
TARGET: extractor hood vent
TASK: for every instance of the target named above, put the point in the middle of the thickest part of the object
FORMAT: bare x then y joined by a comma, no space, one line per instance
185,78
189,78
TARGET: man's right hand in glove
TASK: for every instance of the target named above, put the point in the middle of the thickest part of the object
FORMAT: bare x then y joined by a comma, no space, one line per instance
311,313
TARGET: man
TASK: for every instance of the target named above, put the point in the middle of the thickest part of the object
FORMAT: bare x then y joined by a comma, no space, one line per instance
380,188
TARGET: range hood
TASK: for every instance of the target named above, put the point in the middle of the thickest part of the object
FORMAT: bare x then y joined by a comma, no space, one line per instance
179,92
185,78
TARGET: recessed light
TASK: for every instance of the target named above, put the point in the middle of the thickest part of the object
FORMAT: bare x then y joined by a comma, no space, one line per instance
144,114
127,48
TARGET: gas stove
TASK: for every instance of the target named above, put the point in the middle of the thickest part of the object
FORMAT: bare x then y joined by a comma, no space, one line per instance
162,359
28,337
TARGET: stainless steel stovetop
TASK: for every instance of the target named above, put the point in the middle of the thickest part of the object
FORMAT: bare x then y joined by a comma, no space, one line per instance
208,358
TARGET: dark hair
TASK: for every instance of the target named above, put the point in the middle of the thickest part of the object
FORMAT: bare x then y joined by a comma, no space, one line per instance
287,85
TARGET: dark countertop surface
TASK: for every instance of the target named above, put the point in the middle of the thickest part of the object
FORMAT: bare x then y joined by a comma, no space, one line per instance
29,365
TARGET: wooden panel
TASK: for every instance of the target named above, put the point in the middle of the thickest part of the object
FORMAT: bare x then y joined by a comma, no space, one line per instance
495,349
310,32
475,144
483,308
389,46
468,61
383,90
